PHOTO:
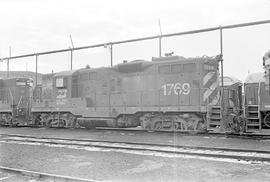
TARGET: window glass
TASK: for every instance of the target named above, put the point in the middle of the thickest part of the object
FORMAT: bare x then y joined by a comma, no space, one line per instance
31,83
60,82
164,69
189,67
20,83
209,67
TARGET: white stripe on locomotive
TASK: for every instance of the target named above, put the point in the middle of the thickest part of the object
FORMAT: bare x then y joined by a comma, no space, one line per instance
215,100
208,79
210,90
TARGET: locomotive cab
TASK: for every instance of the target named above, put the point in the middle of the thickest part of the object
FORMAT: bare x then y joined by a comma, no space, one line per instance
62,84
56,111
232,94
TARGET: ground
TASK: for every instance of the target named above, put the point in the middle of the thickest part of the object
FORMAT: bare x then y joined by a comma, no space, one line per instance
121,166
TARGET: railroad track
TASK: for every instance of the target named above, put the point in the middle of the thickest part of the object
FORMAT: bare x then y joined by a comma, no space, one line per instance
255,136
41,175
210,153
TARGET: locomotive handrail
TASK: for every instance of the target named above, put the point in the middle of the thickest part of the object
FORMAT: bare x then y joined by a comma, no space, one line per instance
139,39
244,106
11,96
259,105
19,102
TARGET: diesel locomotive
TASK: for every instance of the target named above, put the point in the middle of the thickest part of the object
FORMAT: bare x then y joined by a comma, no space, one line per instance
166,93
15,101
257,99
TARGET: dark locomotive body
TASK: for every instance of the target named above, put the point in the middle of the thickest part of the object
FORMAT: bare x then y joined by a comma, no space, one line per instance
15,101
167,93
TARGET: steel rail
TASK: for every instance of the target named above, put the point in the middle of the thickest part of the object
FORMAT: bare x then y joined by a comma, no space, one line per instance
250,136
139,143
238,154
141,39
43,174
254,136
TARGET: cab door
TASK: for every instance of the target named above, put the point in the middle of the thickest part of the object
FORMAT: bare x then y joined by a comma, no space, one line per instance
251,94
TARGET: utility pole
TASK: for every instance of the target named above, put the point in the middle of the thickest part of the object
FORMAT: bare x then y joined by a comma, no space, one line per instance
110,46
223,108
221,54
111,53
8,62
160,36
71,52
36,70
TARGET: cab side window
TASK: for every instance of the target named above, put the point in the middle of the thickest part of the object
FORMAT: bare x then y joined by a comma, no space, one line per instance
60,82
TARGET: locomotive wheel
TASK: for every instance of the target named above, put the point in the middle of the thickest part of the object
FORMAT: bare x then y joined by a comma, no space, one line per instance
7,119
59,123
146,122
120,122
158,125
266,120
175,126
182,124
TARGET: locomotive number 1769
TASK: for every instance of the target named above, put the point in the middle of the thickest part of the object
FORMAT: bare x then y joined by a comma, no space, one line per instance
176,88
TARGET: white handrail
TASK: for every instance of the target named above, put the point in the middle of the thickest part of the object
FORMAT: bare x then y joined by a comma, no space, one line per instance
19,102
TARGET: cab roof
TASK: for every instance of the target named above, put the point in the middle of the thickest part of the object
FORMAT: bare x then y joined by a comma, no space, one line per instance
230,80
65,73
255,78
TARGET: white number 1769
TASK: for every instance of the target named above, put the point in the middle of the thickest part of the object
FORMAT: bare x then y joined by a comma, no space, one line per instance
176,88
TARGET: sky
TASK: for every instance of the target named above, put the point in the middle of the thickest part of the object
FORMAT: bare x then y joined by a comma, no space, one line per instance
30,26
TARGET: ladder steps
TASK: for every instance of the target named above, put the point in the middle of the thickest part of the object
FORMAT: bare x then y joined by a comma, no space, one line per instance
214,123
253,124
215,107
214,118
215,112
253,131
253,118
252,111
253,105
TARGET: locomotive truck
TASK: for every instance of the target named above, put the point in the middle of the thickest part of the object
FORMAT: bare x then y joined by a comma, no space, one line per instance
167,93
